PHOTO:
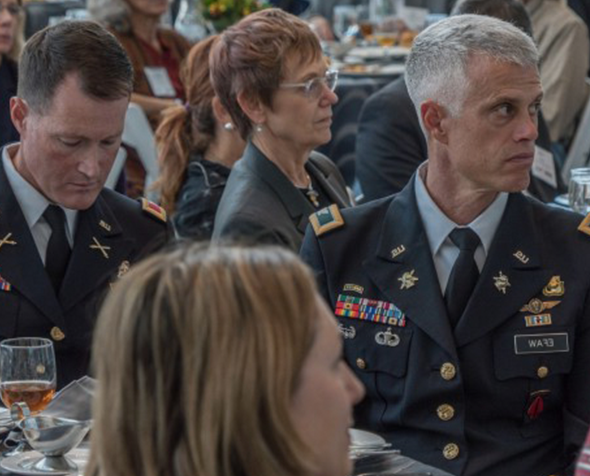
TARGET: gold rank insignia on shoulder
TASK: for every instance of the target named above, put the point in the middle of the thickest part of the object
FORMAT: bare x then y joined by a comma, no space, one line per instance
536,306
153,209
555,287
326,219
584,226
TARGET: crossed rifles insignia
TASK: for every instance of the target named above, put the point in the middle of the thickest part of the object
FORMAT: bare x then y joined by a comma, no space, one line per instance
7,241
102,248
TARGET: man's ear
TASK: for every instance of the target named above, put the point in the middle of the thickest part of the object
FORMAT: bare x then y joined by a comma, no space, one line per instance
433,118
252,107
19,111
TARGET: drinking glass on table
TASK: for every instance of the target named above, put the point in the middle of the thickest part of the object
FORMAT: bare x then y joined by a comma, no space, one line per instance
27,372
345,17
579,190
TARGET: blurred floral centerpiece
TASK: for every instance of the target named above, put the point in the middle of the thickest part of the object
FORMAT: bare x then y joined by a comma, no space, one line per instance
223,13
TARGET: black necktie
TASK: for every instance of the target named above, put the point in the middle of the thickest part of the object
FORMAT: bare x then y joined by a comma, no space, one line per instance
464,274
58,248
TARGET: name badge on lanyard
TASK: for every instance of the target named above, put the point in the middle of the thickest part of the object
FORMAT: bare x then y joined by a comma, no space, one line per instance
159,81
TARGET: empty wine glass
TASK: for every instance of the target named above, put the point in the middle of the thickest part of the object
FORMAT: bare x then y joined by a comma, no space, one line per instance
345,17
27,372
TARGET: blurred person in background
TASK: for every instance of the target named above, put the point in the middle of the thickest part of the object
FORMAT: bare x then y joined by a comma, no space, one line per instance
283,108
11,40
564,47
156,53
390,143
220,361
198,145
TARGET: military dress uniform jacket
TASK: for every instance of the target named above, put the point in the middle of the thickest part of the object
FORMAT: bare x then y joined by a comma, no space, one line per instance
504,394
261,205
110,236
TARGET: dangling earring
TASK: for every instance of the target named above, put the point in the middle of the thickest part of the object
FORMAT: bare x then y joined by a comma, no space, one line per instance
228,126
258,127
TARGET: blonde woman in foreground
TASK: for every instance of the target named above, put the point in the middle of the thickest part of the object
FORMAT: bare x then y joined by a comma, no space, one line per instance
220,361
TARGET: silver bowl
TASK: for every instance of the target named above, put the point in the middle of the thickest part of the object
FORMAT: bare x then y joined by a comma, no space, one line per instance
54,437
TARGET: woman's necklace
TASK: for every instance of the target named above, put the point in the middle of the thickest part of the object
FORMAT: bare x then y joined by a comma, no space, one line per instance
312,194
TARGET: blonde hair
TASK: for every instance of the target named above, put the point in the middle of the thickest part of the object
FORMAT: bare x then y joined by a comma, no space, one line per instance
187,128
197,353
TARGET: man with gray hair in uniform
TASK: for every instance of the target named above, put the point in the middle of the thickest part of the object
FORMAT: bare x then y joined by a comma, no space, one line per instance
464,304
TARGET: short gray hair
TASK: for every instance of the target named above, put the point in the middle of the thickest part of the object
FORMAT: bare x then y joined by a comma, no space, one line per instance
437,65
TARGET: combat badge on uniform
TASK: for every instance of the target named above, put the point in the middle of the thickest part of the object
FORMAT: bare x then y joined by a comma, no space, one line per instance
584,227
536,306
153,209
326,219
555,287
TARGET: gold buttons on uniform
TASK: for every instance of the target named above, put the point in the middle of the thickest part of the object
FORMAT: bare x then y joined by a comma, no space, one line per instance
451,451
542,372
361,364
57,334
445,412
448,371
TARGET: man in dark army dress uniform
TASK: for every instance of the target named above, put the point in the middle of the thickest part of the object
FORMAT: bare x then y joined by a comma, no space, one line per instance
464,305
64,240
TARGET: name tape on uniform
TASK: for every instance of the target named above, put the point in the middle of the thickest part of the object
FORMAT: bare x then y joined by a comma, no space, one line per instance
541,343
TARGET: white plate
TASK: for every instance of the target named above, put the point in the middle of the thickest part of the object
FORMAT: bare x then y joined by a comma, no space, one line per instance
361,440
562,200
22,463
379,52
372,70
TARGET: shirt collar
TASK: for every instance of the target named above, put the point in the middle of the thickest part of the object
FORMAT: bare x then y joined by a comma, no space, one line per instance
31,201
438,226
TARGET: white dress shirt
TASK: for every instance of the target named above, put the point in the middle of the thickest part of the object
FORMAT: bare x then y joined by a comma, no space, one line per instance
438,227
33,205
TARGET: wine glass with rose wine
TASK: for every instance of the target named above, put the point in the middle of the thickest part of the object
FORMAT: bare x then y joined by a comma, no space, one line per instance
27,372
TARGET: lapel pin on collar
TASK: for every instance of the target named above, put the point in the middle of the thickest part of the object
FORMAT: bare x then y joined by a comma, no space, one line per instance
102,248
397,251
7,241
105,225
408,280
501,282
520,256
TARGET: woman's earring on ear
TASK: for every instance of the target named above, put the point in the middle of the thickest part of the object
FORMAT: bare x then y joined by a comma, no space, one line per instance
258,127
228,126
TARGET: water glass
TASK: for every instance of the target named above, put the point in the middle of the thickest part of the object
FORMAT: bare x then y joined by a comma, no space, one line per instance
27,372
579,190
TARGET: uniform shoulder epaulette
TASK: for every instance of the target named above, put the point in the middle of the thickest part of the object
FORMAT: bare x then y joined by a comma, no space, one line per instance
326,219
584,227
153,209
